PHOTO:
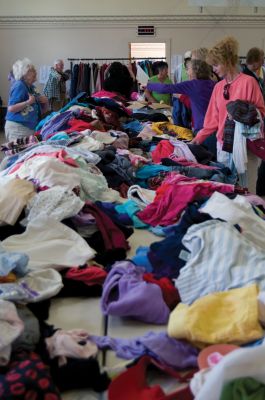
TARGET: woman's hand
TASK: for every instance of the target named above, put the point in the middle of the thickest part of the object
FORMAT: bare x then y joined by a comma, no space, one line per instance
195,141
31,100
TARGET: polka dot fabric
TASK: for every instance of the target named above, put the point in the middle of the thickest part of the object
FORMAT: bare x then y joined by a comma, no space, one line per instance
27,378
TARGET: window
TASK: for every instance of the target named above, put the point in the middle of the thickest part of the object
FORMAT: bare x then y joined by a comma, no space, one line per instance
147,50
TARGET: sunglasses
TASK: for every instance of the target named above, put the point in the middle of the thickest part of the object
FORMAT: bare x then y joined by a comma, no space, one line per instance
226,91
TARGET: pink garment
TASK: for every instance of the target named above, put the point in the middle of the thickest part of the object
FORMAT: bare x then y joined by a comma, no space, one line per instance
11,326
244,87
135,159
255,200
63,156
73,343
110,95
15,168
186,163
173,196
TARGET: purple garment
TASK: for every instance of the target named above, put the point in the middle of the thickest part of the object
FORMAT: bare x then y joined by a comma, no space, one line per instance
83,219
118,218
199,92
56,124
126,294
174,353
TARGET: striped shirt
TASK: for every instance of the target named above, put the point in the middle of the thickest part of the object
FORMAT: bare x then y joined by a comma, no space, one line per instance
221,258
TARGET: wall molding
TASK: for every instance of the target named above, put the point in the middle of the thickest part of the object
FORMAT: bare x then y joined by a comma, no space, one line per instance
86,21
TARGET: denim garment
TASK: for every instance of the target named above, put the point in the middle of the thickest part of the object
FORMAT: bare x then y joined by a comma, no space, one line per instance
164,255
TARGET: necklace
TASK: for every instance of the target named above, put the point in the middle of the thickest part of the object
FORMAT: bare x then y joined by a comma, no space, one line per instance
232,80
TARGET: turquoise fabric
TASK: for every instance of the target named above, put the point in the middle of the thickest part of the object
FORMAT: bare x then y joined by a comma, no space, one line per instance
131,208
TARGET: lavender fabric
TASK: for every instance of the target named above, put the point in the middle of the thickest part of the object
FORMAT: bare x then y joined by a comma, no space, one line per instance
174,353
198,90
56,124
126,294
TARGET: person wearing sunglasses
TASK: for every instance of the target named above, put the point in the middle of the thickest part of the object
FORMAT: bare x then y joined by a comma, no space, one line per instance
234,86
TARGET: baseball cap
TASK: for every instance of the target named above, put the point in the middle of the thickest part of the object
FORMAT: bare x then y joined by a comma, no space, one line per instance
187,54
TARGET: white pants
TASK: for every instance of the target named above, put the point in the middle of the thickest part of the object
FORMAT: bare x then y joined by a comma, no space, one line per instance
249,178
14,130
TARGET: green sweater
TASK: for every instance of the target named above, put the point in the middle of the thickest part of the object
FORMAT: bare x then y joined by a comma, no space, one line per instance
166,98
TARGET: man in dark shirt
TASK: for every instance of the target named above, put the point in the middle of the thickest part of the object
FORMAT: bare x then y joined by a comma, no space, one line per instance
254,67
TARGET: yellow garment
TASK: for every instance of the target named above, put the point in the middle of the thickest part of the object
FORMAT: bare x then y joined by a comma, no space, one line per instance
165,127
221,317
261,73
14,196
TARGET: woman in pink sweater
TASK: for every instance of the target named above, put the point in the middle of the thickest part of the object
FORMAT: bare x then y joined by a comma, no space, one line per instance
234,86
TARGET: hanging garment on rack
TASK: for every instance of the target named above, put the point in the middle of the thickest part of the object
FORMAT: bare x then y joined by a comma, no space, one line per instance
90,77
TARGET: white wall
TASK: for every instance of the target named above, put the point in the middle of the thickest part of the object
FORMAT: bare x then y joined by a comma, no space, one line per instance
113,7
44,31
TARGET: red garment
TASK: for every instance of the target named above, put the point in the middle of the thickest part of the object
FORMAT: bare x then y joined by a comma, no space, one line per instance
90,275
169,292
109,95
163,150
108,116
123,190
112,236
185,100
173,196
78,125
132,384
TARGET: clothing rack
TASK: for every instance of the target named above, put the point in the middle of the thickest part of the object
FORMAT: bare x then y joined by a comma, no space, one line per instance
85,83
113,59
116,59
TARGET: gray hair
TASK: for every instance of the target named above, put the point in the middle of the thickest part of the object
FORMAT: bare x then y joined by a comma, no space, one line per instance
21,68
56,62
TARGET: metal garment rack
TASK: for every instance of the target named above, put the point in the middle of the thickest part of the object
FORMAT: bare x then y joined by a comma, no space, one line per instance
114,59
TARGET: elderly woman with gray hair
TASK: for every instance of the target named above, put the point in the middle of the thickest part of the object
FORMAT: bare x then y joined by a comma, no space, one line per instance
25,104
55,87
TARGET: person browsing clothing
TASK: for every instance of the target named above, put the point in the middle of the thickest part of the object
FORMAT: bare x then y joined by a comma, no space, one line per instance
162,77
199,88
254,67
25,105
180,74
55,87
119,80
234,86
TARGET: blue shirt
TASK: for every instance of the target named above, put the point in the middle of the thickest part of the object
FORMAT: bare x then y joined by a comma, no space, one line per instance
29,116
199,92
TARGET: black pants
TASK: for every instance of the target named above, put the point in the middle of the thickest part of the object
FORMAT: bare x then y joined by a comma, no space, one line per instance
260,186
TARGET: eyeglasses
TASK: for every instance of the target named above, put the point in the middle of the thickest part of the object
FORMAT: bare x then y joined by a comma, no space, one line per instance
226,91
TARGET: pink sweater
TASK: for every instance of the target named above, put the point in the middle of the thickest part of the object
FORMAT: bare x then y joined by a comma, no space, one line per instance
244,87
